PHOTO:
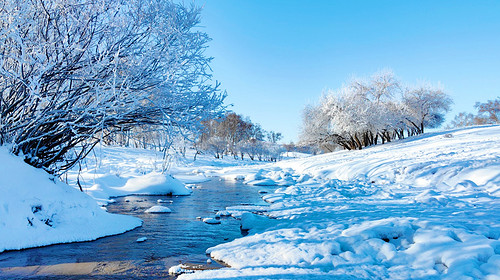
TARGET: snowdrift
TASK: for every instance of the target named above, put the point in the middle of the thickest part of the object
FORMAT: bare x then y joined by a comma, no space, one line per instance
36,211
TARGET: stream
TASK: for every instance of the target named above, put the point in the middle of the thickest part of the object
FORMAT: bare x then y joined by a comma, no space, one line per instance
172,238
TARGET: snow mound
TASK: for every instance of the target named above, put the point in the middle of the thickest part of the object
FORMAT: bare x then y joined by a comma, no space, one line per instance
251,221
179,269
36,211
211,221
158,209
222,213
153,183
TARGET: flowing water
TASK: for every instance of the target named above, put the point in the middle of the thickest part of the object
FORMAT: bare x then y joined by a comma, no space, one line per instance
171,238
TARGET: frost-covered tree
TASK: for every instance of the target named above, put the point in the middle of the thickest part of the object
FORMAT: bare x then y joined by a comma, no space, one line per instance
315,130
356,115
365,112
463,119
72,72
274,151
252,147
426,106
214,145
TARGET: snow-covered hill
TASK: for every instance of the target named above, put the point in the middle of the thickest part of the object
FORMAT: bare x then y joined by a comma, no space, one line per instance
422,208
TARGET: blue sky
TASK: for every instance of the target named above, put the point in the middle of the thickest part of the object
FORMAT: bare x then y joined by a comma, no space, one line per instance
274,57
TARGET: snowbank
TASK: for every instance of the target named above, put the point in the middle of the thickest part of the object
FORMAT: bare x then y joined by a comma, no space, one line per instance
422,208
36,211
102,187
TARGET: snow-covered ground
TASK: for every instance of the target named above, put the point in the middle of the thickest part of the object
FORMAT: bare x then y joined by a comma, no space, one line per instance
422,208
36,211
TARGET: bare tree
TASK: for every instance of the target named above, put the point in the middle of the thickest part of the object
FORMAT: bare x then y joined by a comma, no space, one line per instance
487,113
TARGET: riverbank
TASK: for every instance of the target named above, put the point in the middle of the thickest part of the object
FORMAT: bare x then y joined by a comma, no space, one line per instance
37,210
422,208
425,207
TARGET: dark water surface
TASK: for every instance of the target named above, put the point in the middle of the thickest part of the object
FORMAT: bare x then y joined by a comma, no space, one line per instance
171,238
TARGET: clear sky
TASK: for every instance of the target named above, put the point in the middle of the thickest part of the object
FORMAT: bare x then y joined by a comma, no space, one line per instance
274,56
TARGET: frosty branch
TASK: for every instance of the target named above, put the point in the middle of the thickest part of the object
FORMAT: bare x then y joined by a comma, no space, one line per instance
73,72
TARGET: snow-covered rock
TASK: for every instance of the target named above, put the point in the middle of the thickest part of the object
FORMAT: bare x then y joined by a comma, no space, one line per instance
211,221
152,183
141,239
157,209
179,269
222,213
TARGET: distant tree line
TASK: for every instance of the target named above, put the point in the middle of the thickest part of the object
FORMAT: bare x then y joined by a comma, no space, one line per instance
487,113
236,136
366,112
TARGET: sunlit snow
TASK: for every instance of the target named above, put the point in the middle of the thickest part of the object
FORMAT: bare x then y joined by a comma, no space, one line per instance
422,208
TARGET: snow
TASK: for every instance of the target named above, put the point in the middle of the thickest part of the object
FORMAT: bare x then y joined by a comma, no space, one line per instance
158,209
288,155
211,221
252,221
141,239
104,187
179,269
117,171
37,211
222,213
422,208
